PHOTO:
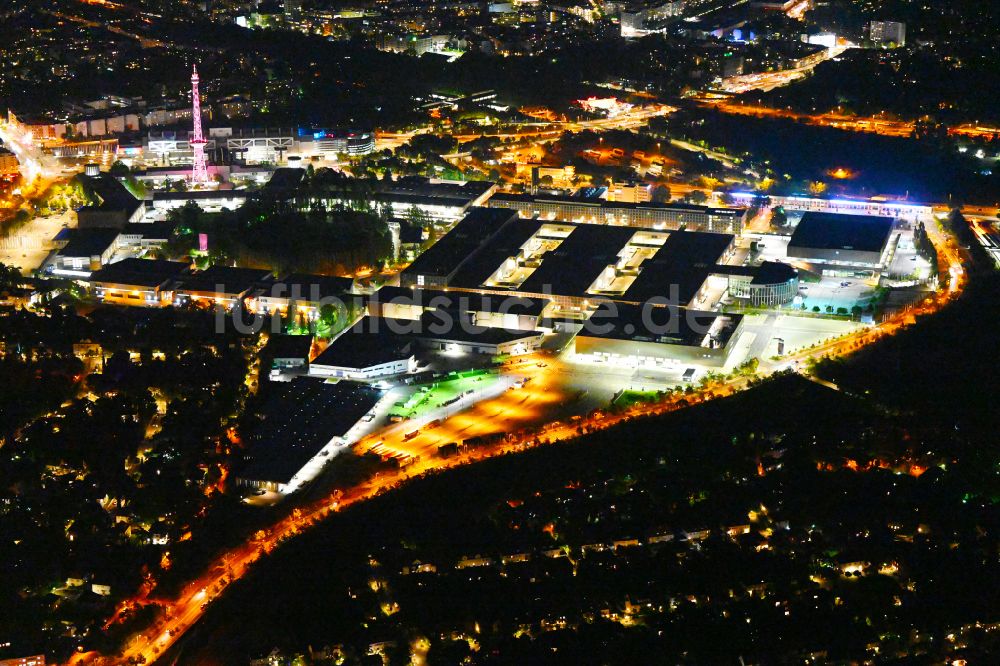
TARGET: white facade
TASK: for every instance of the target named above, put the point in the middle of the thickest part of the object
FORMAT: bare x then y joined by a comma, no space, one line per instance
388,369
903,211
887,32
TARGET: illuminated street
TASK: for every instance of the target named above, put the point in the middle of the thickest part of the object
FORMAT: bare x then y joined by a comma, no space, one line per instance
770,80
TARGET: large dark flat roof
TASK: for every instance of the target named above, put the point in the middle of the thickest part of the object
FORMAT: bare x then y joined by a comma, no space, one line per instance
459,327
572,267
232,280
418,185
369,342
113,195
676,271
505,243
288,346
140,272
150,230
461,242
88,242
307,286
197,195
774,272
285,178
463,301
299,419
833,231
679,268
664,325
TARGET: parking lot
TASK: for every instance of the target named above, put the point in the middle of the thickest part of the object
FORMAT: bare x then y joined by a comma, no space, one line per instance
34,245
906,263
835,293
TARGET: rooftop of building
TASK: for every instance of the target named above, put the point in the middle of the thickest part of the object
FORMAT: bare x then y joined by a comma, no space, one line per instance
500,197
335,133
298,420
835,231
416,199
473,231
663,325
415,190
675,271
410,233
368,343
443,326
505,243
225,279
140,272
288,346
149,230
201,195
88,242
285,178
572,267
774,272
110,193
679,268
463,301
309,287
424,186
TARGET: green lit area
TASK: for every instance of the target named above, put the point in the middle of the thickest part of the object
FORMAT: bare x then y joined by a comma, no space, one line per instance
442,393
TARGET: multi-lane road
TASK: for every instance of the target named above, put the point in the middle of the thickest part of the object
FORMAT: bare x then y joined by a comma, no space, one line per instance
765,81
870,124
543,131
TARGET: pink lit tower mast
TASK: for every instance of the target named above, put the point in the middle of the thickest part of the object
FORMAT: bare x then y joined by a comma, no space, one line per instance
199,172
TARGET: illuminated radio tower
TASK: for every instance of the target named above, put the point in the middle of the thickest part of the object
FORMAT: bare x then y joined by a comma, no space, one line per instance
199,172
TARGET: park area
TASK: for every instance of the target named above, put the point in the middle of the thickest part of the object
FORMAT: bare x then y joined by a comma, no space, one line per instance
630,398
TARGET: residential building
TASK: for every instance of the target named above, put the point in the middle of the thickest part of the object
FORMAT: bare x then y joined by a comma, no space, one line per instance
887,33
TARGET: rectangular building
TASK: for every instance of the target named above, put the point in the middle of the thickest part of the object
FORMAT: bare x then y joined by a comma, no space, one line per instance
140,282
85,251
221,285
488,310
665,337
113,205
437,265
648,215
857,241
889,33
368,350
303,425
308,292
